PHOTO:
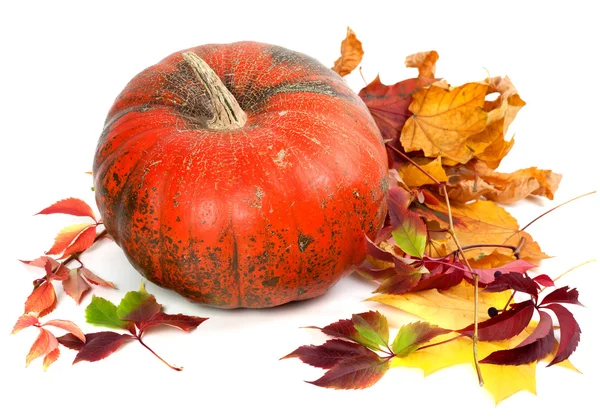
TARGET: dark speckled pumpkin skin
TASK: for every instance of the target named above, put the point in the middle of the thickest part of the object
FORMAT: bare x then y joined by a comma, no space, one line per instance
255,217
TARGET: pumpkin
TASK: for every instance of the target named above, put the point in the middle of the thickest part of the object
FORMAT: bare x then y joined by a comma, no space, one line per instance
241,175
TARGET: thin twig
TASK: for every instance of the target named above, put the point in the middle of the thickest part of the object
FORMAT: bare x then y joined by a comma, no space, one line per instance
554,208
178,369
415,164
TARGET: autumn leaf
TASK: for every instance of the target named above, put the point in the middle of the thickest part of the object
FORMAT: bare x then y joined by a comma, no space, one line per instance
413,177
54,269
23,322
408,230
103,313
411,336
100,345
94,279
443,120
82,242
354,373
72,206
66,325
373,327
75,286
569,333
477,180
44,344
561,295
345,328
508,324
513,281
183,322
351,54
328,354
50,358
42,299
451,309
424,61
138,306
389,104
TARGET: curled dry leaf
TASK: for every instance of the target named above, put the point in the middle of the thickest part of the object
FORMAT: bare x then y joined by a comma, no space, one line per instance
44,344
424,61
75,286
351,54
42,300
67,236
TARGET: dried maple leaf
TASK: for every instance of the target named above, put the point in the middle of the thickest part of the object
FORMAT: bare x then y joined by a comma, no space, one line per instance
472,181
424,61
351,54
413,177
443,119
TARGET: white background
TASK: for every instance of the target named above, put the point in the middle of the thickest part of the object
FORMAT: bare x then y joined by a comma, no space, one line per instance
64,63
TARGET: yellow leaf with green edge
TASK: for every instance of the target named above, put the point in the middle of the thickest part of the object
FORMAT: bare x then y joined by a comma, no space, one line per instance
413,177
451,309
443,119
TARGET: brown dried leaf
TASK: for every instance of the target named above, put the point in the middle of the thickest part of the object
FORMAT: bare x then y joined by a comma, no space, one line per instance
351,54
424,61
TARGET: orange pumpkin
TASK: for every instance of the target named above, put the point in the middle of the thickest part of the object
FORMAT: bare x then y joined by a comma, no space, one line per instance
241,175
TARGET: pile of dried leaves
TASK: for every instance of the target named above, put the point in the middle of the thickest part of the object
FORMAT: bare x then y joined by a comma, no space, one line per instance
449,250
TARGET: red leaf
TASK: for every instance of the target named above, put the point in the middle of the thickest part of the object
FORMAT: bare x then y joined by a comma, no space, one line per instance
378,274
23,322
183,322
506,325
515,281
562,295
44,344
100,345
56,270
83,242
67,326
328,354
41,299
411,336
535,347
72,206
544,280
75,286
51,358
94,279
389,104
70,341
404,278
66,236
487,276
345,328
372,326
449,277
355,373
569,333
376,252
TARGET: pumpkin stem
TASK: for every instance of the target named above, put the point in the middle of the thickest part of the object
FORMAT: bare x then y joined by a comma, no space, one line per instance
227,113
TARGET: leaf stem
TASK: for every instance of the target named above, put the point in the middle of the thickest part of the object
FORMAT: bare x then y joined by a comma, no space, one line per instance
438,343
554,208
178,369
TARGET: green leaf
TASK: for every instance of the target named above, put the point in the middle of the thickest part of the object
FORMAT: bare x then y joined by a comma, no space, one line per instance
373,327
103,313
411,336
410,233
138,306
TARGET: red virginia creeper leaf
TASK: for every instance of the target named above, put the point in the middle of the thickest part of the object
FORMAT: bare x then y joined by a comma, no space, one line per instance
94,279
82,243
138,306
389,104
487,276
515,281
100,345
67,326
344,328
66,236
449,277
535,347
569,333
562,295
72,206
23,322
544,280
411,336
70,341
506,325
51,358
57,271
355,373
44,344
408,230
328,354
41,299
376,252
183,322
404,278
378,274
373,326
75,286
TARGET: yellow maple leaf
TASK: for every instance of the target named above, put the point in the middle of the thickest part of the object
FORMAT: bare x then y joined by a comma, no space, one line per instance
444,118
424,61
351,54
413,177
451,309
